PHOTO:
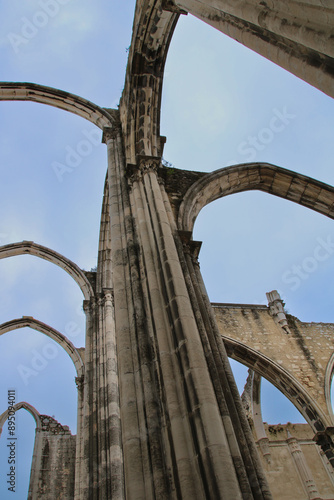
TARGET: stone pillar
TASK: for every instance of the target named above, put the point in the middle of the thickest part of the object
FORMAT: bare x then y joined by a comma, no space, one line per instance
35,465
80,437
100,465
184,434
303,469
251,398
203,441
145,474
87,488
114,456
245,455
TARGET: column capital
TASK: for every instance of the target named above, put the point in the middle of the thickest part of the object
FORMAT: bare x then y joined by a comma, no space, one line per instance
108,294
109,133
145,164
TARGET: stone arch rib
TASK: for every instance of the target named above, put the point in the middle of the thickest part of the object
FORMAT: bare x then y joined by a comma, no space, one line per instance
264,177
328,383
18,406
141,98
31,248
19,91
27,321
280,378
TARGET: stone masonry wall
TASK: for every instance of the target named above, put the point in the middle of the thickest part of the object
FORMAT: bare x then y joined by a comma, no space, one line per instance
304,353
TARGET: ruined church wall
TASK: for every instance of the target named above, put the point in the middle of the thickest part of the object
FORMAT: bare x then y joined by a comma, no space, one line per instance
282,473
53,467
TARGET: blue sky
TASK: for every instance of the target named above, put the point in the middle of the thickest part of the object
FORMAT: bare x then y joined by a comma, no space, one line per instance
219,101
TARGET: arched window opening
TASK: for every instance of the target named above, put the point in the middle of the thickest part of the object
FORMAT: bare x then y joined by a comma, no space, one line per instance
45,192
254,242
34,287
231,106
275,407
41,372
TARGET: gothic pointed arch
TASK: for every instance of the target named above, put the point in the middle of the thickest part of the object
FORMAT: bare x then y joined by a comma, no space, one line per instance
26,406
18,91
31,248
264,177
328,383
280,378
27,321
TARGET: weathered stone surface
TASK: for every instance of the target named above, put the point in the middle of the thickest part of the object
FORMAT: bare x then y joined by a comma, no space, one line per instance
297,363
159,414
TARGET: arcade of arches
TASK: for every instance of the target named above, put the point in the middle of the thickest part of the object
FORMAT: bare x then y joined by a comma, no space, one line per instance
159,413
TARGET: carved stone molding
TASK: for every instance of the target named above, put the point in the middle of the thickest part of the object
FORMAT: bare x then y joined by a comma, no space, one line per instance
276,309
265,449
108,295
145,164
148,163
109,133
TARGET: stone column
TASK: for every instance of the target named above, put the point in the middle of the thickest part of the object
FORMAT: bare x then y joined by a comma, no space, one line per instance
114,456
251,398
242,445
303,469
183,435
35,465
206,451
80,437
145,475
87,488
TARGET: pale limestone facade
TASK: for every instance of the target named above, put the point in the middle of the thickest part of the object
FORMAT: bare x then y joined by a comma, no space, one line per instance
159,414
296,468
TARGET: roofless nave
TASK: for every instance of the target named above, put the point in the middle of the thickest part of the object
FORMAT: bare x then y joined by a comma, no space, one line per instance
159,414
